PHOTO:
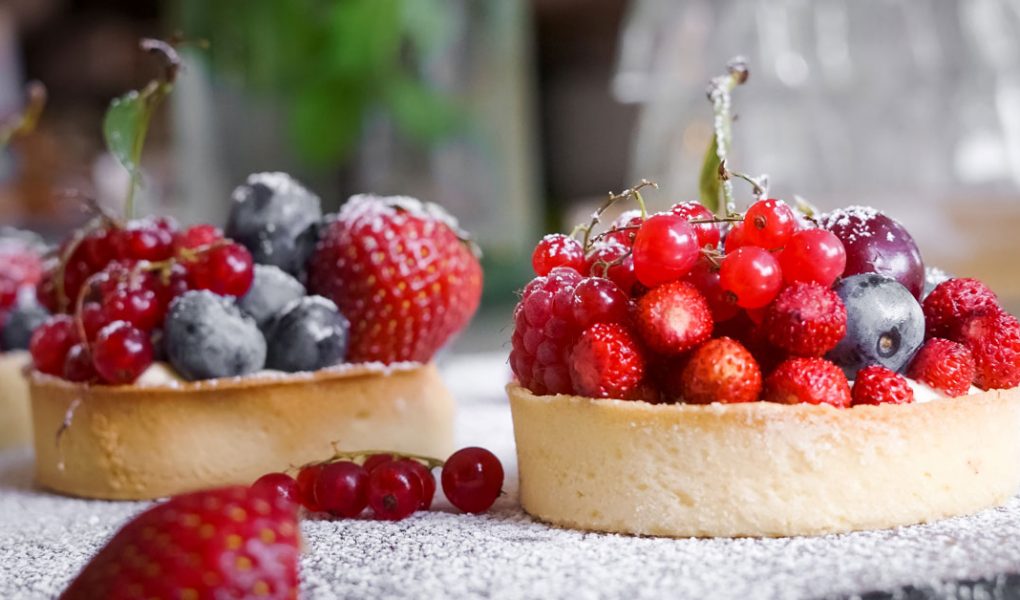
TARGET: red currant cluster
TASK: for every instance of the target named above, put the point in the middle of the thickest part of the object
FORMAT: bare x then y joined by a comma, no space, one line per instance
393,485
109,289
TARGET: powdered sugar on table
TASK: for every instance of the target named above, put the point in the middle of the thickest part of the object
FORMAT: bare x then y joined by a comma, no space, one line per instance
45,539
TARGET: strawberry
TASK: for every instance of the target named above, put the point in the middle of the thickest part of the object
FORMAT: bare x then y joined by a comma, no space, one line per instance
225,543
944,365
720,370
606,362
674,317
994,342
805,319
401,272
876,384
955,300
807,380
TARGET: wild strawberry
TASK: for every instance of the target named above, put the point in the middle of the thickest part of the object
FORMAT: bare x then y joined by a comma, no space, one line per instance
994,342
876,384
809,381
545,330
953,301
401,271
606,362
720,370
232,542
673,318
805,319
945,366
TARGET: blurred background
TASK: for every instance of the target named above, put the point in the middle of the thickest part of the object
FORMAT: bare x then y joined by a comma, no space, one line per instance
520,115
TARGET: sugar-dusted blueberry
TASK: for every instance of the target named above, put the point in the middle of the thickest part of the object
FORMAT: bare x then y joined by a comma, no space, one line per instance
23,318
207,336
309,334
271,290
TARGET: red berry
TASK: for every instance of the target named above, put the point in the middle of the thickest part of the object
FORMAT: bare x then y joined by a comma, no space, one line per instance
428,482
277,485
876,384
472,479
809,381
814,255
955,300
614,262
769,224
394,491
945,366
139,306
224,270
544,333
598,300
805,319
121,353
197,236
665,249
623,230
341,489
78,365
735,238
50,343
994,342
720,370
99,248
46,290
708,233
93,318
705,276
146,239
606,362
306,487
557,250
673,318
374,460
752,275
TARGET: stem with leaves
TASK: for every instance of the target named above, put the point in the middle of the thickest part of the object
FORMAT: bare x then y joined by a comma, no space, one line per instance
24,122
717,192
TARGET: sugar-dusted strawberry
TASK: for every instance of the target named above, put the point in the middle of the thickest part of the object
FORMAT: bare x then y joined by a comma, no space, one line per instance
606,362
401,271
674,318
876,384
227,543
545,329
805,319
720,370
808,381
994,342
955,300
944,365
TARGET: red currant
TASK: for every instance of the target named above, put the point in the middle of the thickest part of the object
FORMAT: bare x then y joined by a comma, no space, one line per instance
78,365
224,270
306,487
121,353
813,255
598,300
93,318
665,249
557,250
428,482
147,239
140,307
614,262
394,491
341,489
734,238
50,343
197,236
46,291
472,479
623,230
708,233
99,248
278,485
705,276
374,460
752,275
769,224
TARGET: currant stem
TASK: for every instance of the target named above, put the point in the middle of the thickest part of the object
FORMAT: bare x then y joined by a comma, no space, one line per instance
596,217
719,93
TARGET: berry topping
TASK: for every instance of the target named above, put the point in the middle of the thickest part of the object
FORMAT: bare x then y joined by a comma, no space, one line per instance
272,289
50,343
705,276
306,479
945,366
769,224
197,236
805,319
144,239
665,249
720,370
708,233
809,381
615,262
814,255
207,336
121,353
544,332
557,250
20,264
399,270
994,342
341,488
309,334
395,491
277,485
472,479
78,365
878,385
932,277
606,362
751,275
953,301
598,300
673,318
140,307
224,270
23,318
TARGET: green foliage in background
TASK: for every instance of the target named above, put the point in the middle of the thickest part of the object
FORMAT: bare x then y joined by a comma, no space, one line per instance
332,62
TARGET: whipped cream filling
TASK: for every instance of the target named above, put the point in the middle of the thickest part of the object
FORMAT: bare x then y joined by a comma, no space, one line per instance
925,393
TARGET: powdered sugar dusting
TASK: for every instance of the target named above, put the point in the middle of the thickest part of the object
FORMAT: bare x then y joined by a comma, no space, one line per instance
852,218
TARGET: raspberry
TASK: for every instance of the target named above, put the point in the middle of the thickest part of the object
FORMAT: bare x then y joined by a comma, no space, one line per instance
809,381
720,370
545,332
674,318
994,342
876,384
944,365
954,300
606,362
806,319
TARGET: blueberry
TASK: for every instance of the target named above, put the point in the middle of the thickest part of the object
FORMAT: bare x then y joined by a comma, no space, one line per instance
884,324
310,334
24,317
271,290
207,336
276,218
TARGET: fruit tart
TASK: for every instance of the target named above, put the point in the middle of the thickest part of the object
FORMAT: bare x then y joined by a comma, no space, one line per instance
182,359
772,372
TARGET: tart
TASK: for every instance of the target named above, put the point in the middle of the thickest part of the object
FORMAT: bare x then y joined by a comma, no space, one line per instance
15,427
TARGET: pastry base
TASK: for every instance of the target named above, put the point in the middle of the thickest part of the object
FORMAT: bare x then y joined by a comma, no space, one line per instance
134,442
15,425
762,469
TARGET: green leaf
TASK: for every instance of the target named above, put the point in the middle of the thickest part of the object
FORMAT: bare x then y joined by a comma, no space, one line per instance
325,121
125,122
364,38
421,112
708,182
